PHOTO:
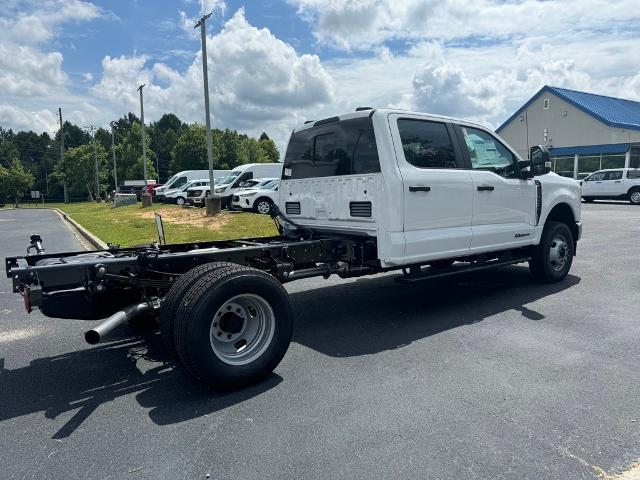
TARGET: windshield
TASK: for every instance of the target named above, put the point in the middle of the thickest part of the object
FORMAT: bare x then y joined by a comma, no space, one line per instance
228,178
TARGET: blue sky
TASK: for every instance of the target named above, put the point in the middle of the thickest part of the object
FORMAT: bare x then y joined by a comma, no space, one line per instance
276,63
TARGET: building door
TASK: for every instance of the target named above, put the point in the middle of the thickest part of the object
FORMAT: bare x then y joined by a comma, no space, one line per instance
437,190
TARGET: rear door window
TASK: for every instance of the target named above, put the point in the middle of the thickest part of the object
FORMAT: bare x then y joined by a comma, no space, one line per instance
616,175
426,144
346,147
633,174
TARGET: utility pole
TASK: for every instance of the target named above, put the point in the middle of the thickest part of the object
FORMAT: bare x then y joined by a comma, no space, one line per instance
113,150
64,180
212,202
146,197
95,159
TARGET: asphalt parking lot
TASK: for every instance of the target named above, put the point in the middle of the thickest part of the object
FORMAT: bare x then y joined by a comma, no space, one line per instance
487,376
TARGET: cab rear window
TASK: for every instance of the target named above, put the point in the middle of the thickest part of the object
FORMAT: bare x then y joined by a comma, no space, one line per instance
346,147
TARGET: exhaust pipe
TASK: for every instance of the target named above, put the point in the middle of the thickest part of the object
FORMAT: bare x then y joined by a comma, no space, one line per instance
108,325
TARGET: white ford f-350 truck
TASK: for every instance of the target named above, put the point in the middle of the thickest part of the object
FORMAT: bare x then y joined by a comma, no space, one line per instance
368,192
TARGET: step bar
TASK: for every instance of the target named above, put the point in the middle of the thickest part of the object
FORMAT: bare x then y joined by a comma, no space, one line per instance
474,267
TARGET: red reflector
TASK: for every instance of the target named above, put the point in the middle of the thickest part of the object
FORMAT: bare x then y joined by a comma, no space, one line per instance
27,299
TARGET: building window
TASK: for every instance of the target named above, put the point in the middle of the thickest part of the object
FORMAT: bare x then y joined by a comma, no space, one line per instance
545,103
612,161
588,164
563,166
634,160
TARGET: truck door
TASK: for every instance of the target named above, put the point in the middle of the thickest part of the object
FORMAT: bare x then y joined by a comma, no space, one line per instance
592,185
504,205
612,183
437,190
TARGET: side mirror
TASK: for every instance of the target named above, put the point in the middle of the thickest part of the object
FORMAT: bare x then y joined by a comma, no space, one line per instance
540,158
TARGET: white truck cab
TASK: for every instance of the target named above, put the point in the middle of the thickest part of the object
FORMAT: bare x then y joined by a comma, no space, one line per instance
612,184
426,187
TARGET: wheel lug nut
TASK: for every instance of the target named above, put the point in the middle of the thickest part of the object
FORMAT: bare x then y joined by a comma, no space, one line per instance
219,334
229,336
215,324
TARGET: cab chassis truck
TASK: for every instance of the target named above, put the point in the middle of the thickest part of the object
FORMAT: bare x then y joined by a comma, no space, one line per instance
361,193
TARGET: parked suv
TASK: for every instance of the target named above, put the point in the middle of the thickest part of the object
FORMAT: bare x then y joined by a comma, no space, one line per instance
260,198
612,184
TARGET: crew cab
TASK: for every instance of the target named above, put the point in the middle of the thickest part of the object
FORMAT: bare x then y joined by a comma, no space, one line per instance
612,184
364,193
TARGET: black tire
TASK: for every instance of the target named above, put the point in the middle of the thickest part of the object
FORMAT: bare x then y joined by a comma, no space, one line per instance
195,321
588,199
172,300
441,264
542,265
634,196
264,210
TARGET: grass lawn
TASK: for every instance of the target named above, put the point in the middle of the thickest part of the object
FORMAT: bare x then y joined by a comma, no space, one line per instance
132,225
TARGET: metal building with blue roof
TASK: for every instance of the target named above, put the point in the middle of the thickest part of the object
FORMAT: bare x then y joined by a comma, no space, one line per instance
585,132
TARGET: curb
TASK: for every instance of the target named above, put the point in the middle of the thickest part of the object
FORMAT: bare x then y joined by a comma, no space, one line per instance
90,237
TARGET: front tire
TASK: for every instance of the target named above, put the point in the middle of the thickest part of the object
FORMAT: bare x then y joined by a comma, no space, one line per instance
263,206
552,258
180,201
634,197
233,327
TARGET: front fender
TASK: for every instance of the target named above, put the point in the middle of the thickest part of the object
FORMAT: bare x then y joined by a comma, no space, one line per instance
558,190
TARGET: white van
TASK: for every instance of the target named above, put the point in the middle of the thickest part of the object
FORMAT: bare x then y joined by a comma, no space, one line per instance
180,178
232,183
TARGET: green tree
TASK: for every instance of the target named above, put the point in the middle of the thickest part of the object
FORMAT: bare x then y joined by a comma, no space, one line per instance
190,151
269,149
164,137
129,155
15,180
78,169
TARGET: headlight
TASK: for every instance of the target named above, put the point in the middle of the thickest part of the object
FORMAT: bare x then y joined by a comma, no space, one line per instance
247,194
220,189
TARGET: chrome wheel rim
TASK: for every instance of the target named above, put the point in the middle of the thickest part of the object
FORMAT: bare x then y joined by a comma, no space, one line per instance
635,197
558,252
264,207
242,329
180,201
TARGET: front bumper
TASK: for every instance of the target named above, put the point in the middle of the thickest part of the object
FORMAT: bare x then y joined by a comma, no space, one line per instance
579,226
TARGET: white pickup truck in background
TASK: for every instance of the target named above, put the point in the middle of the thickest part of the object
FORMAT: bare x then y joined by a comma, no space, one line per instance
612,184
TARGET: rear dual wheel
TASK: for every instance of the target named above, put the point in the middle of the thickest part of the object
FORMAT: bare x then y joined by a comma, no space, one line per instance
229,325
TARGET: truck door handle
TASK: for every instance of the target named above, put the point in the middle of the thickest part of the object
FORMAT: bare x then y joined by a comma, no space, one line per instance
618,181
598,182
485,188
419,188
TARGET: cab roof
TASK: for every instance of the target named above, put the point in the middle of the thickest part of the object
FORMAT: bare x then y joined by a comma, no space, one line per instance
383,111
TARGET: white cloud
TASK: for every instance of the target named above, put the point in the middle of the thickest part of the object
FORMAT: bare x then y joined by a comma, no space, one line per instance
30,77
257,82
360,24
21,119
